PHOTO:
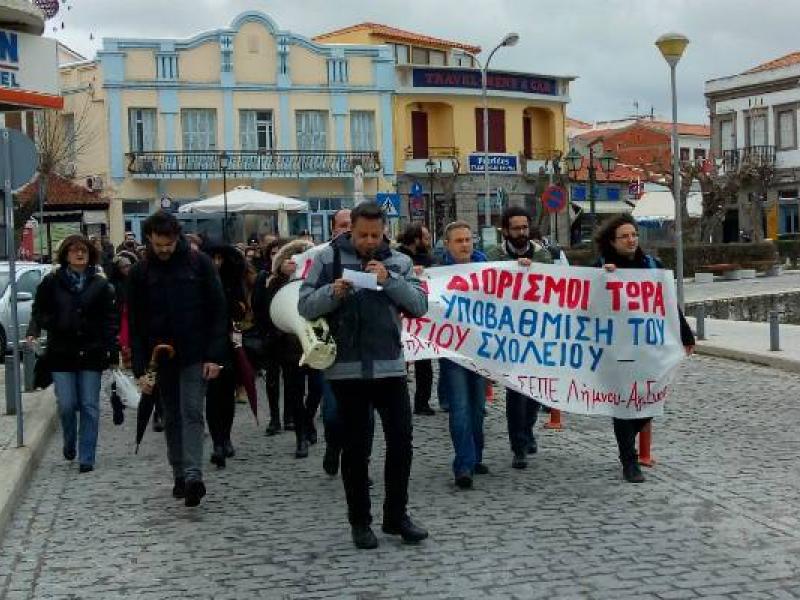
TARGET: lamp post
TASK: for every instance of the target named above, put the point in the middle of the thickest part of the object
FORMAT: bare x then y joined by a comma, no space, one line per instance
509,40
672,46
224,162
608,163
433,168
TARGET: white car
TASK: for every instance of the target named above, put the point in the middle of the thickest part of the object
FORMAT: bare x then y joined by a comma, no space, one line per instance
29,275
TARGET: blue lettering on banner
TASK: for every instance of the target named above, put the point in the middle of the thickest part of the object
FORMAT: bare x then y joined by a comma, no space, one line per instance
498,163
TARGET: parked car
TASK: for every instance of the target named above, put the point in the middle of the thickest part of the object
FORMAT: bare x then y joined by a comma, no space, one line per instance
29,275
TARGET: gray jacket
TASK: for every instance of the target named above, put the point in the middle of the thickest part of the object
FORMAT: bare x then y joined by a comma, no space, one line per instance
365,324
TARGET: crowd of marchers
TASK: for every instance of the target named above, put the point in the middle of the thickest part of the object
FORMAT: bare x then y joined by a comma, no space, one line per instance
209,305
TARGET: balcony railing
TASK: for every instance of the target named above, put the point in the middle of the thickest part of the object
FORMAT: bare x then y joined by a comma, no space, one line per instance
434,152
269,163
752,155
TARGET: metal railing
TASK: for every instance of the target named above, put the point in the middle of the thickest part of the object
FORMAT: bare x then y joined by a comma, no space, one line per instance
754,155
268,162
434,152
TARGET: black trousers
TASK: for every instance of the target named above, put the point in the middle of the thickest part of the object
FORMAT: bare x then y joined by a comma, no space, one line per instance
221,406
521,416
423,376
625,431
272,378
356,399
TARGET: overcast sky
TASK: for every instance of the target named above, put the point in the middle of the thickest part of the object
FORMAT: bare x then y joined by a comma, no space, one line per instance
608,44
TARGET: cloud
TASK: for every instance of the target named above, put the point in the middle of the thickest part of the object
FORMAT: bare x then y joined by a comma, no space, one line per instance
608,44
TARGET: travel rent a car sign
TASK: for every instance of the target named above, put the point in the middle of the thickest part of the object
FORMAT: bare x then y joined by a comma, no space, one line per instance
28,71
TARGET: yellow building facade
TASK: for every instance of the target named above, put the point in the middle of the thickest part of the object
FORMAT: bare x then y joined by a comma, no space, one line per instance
173,121
438,129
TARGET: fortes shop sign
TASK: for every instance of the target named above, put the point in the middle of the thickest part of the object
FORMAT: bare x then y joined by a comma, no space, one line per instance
9,58
495,80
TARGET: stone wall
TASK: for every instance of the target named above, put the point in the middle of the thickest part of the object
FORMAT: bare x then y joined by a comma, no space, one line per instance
752,308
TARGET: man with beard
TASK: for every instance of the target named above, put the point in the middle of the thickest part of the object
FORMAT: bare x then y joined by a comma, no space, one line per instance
521,411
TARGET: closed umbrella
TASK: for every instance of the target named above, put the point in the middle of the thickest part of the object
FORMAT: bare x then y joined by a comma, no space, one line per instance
246,377
147,402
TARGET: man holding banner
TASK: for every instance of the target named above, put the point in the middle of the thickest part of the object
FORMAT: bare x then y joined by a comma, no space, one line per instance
464,389
522,412
618,245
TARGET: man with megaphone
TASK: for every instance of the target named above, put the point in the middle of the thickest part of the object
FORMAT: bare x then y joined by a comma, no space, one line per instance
361,286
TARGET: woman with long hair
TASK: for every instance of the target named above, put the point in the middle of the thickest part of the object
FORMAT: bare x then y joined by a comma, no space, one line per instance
75,305
617,242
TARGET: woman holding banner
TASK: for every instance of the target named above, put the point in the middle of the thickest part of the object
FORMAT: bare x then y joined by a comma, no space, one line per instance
618,246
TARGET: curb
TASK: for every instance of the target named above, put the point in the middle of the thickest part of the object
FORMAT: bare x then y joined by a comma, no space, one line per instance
774,362
19,464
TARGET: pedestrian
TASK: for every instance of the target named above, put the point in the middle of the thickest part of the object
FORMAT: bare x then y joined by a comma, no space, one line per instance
464,389
300,390
75,305
415,242
271,353
118,277
176,298
221,392
617,243
369,370
519,244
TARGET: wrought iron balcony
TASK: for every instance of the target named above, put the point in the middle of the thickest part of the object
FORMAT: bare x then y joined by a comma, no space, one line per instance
749,155
434,152
251,163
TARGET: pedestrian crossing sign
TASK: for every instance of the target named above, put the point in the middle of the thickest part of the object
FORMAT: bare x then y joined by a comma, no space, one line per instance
390,204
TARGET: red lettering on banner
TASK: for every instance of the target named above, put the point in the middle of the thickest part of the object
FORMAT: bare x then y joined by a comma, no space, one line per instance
643,296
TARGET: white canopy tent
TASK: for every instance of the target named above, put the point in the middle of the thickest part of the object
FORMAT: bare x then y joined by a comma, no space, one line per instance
657,204
244,199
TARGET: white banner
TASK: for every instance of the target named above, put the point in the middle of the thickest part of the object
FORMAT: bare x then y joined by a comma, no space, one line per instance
577,339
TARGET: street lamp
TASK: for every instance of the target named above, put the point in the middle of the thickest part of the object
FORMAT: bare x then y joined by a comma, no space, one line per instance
433,168
608,163
224,162
509,40
672,46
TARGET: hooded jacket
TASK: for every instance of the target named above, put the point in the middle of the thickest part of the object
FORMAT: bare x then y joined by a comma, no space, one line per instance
366,323
180,302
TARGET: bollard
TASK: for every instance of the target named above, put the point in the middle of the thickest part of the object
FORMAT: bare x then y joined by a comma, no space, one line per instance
645,441
774,334
489,392
555,420
701,322
28,367
11,399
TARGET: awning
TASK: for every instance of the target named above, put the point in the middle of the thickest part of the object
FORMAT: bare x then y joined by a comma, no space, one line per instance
659,205
603,207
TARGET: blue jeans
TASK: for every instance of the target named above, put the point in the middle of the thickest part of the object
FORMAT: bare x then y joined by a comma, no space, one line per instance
79,392
521,415
466,393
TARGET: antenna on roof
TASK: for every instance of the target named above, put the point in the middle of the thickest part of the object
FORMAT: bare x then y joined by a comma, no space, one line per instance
636,108
652,113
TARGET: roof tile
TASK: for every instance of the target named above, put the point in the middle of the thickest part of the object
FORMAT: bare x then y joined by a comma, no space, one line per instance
779,63
400,35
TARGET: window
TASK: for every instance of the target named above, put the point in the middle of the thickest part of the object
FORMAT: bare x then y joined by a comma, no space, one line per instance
699,153
312,129
256,131
497,130
142,129
167,66
199,128
787,130
756,129
362,131
686,154
68,125
400,54
727,135
29,281
419,56
437,58
462,60
788,213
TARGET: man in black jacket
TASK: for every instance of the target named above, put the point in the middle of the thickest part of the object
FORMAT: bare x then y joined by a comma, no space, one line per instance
176,298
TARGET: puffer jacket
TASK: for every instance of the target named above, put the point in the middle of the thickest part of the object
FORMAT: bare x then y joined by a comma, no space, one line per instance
81,326
366,323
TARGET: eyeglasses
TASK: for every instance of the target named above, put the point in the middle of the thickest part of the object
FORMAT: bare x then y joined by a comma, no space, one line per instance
520,228
628,236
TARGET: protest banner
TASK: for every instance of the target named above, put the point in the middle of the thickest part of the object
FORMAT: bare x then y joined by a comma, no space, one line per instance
576,339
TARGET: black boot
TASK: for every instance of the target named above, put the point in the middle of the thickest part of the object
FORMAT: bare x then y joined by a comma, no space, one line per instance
363,537
406,529
230,451
218,456
195,490
632,472
273,428
118,409
302,449
331,461
179,489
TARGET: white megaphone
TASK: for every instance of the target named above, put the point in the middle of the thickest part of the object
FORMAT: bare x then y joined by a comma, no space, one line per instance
319,347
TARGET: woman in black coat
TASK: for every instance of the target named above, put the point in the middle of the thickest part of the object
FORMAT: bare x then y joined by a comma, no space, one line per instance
618,245
75,305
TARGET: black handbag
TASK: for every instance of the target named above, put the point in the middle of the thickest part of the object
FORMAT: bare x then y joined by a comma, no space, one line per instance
42,376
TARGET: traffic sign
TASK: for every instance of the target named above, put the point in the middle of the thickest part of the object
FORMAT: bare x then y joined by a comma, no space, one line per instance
554,198
416,189
390,203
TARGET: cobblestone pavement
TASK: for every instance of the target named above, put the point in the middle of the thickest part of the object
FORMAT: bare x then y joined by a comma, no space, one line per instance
718,516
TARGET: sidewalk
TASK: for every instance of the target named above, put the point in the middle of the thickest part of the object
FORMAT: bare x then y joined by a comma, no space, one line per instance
19,464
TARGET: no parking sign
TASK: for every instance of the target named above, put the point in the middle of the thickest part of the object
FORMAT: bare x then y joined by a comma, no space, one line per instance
554,198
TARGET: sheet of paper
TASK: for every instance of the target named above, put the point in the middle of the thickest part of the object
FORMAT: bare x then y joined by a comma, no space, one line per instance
360,280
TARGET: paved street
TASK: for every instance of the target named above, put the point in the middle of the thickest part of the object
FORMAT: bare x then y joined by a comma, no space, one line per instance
788,281
717,518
